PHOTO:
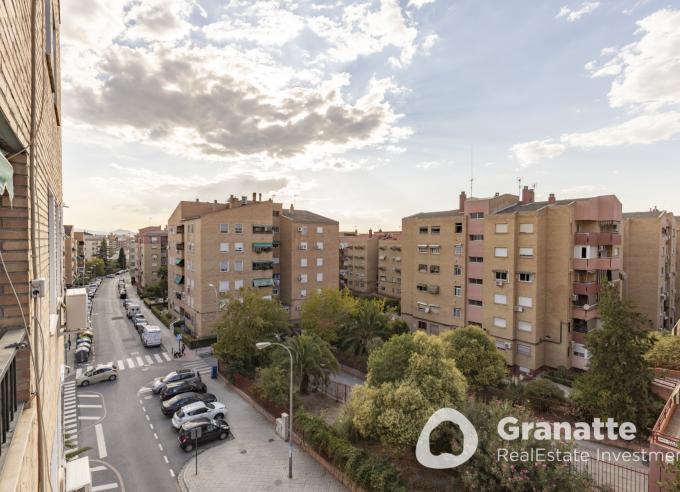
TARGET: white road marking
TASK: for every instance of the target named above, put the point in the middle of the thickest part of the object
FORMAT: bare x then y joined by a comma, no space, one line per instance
167,357
145,390
98,468
134,353
70,420
107,486
88,418
160,446
149,360
166,459
151,425
88,395
139,360
68,413
143,409
121,365
155,436
79,372
158,358
90,406
147,417
172,473
131,363
101,444
72,426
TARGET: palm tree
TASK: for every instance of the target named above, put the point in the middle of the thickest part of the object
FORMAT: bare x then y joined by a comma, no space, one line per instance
313,360
368,323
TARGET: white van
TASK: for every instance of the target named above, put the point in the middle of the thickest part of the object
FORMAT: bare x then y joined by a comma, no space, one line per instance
151,336
133,309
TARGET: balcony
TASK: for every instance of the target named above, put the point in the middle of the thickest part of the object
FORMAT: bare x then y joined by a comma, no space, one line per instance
179,246
262,229
597,238
586,288
179,279
262,247
591,264
179,262
263,265
263,282
580,312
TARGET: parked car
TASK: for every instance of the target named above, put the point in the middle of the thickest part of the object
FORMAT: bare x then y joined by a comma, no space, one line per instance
169,407
122,293
138,321
193,411
126,303
209,429
133,309
184,374
104,372
174,389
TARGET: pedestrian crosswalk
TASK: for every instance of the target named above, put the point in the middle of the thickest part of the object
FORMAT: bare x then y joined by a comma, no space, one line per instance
70,412
137,361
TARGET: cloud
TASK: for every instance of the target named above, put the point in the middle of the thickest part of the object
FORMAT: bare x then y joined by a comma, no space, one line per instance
572,15
528,153
428,164
419,3
635,6
579,191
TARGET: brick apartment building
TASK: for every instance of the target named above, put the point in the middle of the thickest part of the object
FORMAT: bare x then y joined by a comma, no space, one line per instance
650,263
131,256
31,242
360,262
527,272
218,248
389,265
152,255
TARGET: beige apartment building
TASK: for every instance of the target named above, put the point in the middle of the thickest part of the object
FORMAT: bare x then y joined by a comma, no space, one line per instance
650,263
528,272
31,243
307,256
359,262
78,248
92,244
152,255
389,265
131,256
70,255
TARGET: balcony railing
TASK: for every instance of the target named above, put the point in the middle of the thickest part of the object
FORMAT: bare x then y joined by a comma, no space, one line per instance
586,288
262,247
580,312
179,246
263,282
262,229
263,265
591,264
597,238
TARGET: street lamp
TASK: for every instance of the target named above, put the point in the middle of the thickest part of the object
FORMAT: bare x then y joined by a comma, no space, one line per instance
262,346
217,304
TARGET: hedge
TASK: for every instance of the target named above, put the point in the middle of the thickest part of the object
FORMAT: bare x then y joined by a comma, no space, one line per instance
364,470
164,318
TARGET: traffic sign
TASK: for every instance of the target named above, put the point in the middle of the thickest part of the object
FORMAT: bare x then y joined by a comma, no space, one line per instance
178,336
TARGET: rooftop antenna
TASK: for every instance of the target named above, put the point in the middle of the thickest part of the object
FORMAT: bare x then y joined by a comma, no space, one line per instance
472,168
519,186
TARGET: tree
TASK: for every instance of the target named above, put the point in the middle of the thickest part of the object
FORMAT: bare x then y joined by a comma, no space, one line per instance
96,266
271,384
247,319
476,356
388,363
326,312
103,251
122,261
163,281
618,381
665,353
368,322
313,360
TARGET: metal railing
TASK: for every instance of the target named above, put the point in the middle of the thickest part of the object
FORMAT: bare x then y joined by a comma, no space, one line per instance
620,478
337,391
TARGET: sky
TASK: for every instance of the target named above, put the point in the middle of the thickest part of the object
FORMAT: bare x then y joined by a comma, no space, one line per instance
365,111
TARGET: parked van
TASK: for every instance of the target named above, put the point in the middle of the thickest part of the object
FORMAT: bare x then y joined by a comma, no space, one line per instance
133,309
151,336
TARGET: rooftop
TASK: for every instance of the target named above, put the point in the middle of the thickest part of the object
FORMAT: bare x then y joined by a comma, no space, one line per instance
643,215
427,215
307,217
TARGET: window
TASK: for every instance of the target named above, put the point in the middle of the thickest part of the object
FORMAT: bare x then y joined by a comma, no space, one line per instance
457,291
476,237
499,322
500,299
154,239
238,228
224,247
435,249
435,230
500,252
422,230
319,245
238,284
422,325
319,230
526,252
303,292
422,248
319,277
434,329
459,227
319,262
526,277
238,265
303,278
525,301
224,228
476,281
224,266
476,215
476,259
238,247
303,246
434,268
502,276
500,345
526,228
502,228
524,326
303,230
421,287
457,270
523,349
458,249
303,262
475,302
224,285
422,268
456,312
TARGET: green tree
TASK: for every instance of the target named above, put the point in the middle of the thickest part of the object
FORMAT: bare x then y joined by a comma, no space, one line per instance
271,384
368,322
313,360
665,353
96,266
618,381
247,319
122,261
103,251
326,312
388,363
476,356
163,281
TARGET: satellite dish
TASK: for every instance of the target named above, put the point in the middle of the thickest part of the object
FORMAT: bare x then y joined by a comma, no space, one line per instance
586,307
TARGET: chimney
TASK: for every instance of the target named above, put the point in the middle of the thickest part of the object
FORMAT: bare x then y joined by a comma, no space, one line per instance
254,196
461,200
370,233
196,200
214,201
527,195
259,197
292,209
551,198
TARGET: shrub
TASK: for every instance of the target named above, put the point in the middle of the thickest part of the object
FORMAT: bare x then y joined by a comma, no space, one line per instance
542,392
665,353
271,384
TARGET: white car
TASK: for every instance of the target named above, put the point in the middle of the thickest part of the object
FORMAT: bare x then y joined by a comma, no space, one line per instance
200,409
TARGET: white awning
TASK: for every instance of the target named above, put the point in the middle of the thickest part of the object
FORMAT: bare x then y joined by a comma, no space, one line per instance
6,178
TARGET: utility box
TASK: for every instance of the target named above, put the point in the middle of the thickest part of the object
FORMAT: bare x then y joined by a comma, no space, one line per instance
282,426
76,310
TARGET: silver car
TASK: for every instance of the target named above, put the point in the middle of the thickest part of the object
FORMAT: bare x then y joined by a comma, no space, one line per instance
104,372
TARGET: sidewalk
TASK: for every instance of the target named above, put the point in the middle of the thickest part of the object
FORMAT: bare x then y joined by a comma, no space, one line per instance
255,460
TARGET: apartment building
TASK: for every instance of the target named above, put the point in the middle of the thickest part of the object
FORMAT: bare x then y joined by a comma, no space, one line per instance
389,265
78,248
152,255
70,256
360,262
92,244
308,256
31,243
131,256
650,263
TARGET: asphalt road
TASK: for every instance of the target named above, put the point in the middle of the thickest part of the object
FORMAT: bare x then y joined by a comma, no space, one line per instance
133,446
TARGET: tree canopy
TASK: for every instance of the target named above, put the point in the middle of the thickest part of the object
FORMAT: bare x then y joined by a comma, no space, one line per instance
122,261
368,322
476,356
665,353
313,360
326,312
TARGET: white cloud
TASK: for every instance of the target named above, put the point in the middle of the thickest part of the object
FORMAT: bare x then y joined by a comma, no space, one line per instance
528,153
419,3
635,6
572,15
428,164
429,41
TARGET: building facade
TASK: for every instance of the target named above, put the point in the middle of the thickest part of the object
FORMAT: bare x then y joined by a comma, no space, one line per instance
360,262
92,244
389,265
69,256
650,263
131,256
31,242
152,255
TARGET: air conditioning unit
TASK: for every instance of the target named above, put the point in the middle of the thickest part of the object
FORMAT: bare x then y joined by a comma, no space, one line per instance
574,297
519,309
427,309
508,345
499,283
586,307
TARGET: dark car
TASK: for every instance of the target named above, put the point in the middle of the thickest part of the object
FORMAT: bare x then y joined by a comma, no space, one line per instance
175,389
183,374
210,430
169,407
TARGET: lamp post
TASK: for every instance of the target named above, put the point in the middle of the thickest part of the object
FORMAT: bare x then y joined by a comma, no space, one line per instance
217,297
262,346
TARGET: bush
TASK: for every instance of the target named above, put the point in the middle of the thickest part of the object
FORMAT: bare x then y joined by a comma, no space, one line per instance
665,353
364,470
271,384
542,392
